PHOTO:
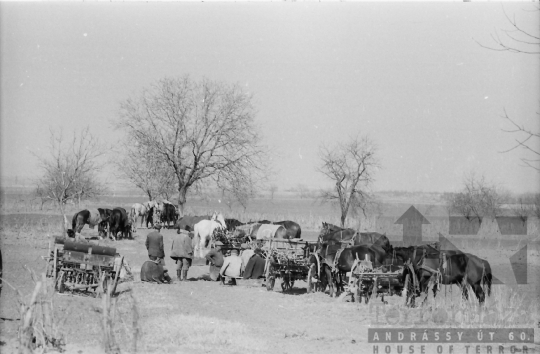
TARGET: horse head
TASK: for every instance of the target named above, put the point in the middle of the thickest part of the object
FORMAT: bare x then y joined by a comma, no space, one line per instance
403,253
221,220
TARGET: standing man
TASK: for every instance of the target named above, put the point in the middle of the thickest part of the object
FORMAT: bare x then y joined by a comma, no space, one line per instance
231,267
182,253
215,258
156,253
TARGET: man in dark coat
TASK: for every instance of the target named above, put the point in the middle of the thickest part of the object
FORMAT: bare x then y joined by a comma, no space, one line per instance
255,266
182,253
216,259
156,252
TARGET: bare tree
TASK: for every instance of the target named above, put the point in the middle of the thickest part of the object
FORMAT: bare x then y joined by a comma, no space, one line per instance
526,139
351,166
526,205
69,170
203,131
521,40
302,190
272,189
517,39
238,193
144,168
477,199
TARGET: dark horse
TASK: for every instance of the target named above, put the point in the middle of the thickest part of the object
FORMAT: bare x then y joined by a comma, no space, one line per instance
188,222
450,267
293,229
232,224
336,233
334,260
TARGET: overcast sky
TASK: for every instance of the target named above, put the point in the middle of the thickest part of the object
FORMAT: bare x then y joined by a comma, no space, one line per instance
410,75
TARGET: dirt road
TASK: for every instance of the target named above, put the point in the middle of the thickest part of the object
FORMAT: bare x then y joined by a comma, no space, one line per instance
201,316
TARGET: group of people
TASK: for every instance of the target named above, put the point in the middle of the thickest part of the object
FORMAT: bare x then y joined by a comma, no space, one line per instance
222,266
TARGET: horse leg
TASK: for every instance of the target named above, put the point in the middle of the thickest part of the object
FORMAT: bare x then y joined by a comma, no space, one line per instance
330,281
479,292
465,291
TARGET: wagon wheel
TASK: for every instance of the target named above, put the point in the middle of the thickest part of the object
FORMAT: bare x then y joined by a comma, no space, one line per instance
103,284
270,281
309,281
117,276
408,291
358,295
369,292
60,287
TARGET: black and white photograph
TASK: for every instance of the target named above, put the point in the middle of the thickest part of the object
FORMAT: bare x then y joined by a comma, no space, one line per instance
270,177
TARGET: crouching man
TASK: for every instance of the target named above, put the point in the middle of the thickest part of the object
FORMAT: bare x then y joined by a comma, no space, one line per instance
182,253
231,267
215,258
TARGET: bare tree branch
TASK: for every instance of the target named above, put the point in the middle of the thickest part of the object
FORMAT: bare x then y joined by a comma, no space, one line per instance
202,131
530,41
69,173
350,166
477,199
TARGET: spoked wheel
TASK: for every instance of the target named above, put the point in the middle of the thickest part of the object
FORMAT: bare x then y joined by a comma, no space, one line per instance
408,291
60,287
103,286
309,280
270,282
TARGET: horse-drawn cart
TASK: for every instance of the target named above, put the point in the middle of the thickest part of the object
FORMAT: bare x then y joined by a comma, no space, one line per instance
367,282
81,267
288,259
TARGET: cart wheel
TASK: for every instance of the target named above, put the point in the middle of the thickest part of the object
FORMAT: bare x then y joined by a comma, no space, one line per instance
103,285
359,290
309,282
345,297
117,276
374,288
408,291
60,287
270,281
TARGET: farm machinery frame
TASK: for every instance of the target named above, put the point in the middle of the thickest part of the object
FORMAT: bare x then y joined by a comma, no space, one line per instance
84,268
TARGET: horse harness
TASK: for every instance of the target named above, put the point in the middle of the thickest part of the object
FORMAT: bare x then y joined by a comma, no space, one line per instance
343,246
443,264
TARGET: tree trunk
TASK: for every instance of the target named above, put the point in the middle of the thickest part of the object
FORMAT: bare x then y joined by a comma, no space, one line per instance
62,210
181,200
343,218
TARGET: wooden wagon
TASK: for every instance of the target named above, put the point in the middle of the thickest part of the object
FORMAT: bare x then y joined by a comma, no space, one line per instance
83,267
366,282
289,260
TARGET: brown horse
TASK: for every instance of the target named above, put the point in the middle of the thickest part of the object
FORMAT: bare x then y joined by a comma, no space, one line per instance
335,260
432,266
336,233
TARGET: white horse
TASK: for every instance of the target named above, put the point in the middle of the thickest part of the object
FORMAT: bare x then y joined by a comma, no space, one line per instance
203,231
137,210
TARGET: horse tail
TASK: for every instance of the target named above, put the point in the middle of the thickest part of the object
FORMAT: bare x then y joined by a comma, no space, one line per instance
74,221
196,235
487,277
